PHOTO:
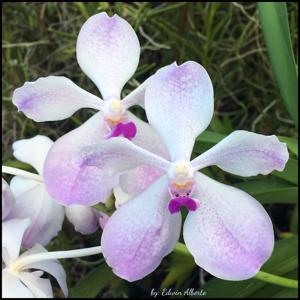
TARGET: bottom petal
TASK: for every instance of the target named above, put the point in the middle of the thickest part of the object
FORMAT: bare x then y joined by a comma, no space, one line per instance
230,235
140,233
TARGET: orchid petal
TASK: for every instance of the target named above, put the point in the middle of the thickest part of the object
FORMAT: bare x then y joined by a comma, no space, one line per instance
12,235
246,154
60,171
108,52
84,218
35,203
53,267
33,151
109,160
230,235
52,98
39,287
140,233
12,287
179,105
137,96
135,181
8,200
96,171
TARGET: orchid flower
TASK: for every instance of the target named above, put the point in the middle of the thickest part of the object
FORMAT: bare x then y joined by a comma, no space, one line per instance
227,231
18,278
26,197
108,53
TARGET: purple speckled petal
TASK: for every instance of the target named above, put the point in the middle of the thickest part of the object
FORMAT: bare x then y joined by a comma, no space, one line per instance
8,200
179,105
107,160
140,233
33,151
84,218
61,174
246,154
230,235
70,183
108,52
33,201
53,98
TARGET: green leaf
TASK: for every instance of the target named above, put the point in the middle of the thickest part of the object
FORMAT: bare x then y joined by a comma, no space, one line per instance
274,21
270,191
93,283
290,172
179,270
283,261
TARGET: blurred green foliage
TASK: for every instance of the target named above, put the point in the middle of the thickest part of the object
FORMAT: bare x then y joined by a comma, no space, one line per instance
39,38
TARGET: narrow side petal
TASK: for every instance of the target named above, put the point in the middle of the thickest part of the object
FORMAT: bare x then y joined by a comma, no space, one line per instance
179,104
33,151
105,162
61,172
52,98
140,233
35,203
108,52
137,96
84,218
245,153
230,235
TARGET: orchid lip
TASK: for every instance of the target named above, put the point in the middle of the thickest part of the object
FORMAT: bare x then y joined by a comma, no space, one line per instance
176,203
128,130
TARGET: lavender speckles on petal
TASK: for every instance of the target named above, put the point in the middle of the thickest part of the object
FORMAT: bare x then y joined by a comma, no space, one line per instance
108,52
231,236
246,154
179,105
140,233
52,98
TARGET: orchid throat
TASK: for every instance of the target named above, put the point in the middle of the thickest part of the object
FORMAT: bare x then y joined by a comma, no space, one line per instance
116,120
181,187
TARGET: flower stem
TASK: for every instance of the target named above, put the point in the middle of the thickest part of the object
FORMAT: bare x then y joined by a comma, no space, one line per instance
33,258
278,280
25,174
